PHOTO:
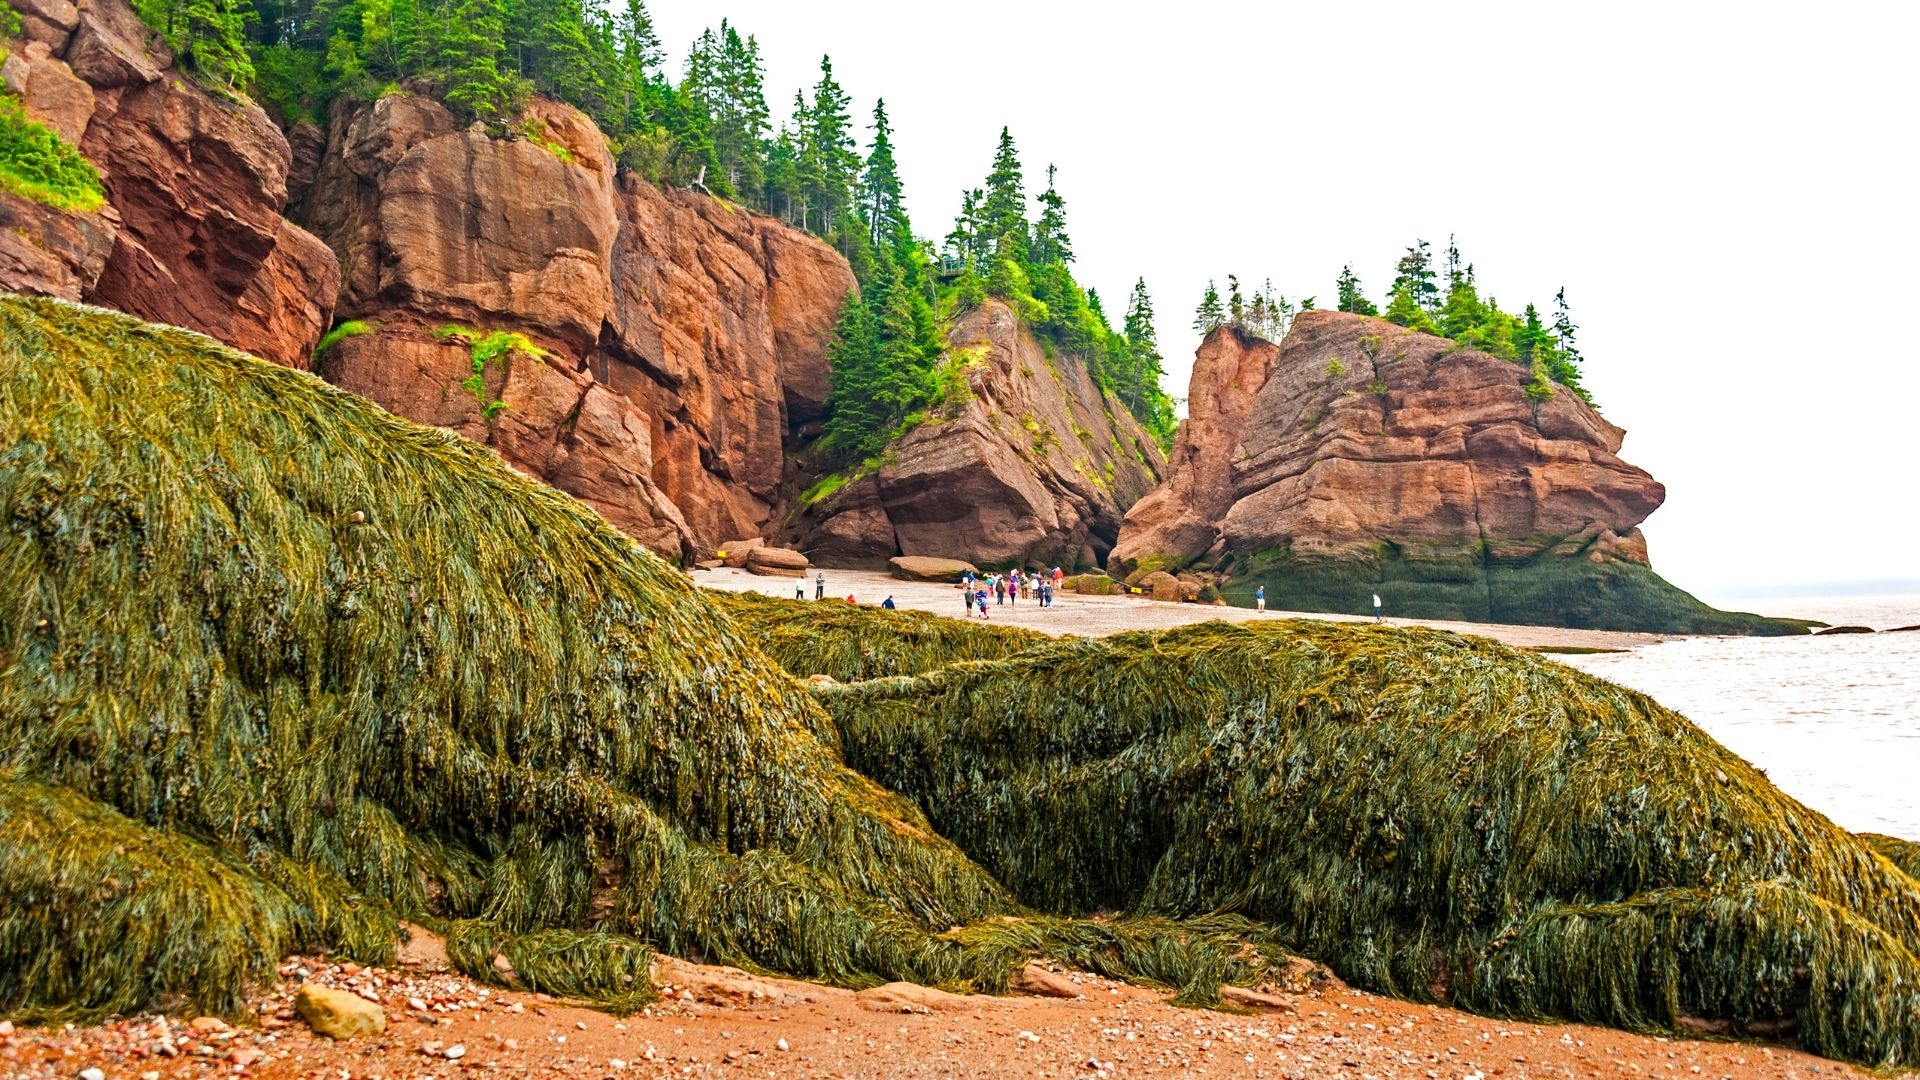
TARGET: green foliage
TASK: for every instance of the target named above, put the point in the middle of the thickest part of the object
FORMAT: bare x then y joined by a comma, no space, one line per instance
11,25
1350,297
37,164
484,348
1335,368
350,328
210,37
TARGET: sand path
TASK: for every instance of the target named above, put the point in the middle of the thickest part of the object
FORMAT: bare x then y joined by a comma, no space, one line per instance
1096,616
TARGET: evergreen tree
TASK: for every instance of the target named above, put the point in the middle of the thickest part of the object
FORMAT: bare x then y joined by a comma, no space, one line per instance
1236,306
1563,327
881,203
1050,242
467,42
209,36
1462,310
1209,316
830,161
1350,298
1402,308
1003,210
1414,273
739,111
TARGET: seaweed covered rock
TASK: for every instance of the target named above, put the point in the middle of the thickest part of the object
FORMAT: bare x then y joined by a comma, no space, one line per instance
279,669
849,643
1435,816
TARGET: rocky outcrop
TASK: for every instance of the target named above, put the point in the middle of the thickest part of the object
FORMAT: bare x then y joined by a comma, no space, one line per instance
1037,465
681,340
192,233
1357,456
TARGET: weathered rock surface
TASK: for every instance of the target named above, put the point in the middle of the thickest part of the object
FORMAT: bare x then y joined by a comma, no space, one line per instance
1358,452
1038,466
192,234
776,562
929,568
685,340
1355,432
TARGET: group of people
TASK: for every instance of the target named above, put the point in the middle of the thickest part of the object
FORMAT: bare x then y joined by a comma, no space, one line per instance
1005,588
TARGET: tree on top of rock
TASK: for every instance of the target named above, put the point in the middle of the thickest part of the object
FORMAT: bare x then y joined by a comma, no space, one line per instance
1050,243
1210,315
1414,273
1003,212
1347,286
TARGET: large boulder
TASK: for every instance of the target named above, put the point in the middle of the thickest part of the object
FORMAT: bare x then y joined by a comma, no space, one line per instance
930,568
1037,465
776,562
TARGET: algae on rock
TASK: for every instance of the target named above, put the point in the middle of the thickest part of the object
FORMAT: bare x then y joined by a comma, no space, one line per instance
278,669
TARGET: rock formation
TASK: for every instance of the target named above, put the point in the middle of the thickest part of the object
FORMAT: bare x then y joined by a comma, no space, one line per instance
192,232
681,341
1358,457
1038,465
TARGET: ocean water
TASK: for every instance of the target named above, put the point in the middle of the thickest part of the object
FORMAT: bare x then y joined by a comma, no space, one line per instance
1835,721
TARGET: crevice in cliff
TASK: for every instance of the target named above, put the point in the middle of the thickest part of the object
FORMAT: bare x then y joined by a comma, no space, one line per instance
1480,530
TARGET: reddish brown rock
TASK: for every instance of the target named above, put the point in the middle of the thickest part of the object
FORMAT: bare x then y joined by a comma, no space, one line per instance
776,562
1037,466
734,552
49,90
51,252
699,322
50,22
1355,432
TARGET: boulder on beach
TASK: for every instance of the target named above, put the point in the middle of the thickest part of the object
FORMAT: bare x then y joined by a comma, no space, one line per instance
776,562
734,552
929,568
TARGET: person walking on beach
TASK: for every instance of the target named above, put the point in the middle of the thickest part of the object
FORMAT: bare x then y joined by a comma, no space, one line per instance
800,588
966,598
980,597
888,602
1057,575
1376,608
1260,598
820,585
999,589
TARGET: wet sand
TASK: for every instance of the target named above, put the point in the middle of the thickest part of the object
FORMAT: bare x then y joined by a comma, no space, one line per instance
1097,616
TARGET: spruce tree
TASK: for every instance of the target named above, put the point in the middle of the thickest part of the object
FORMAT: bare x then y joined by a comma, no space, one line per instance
1347,286
1003,210
830,156
1414,273
468,45
881,202
1236,305
1050,242
1209,316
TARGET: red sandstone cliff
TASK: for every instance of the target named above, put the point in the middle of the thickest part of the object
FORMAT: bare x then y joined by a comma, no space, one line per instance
1354,432
192,233
1037,466
682,339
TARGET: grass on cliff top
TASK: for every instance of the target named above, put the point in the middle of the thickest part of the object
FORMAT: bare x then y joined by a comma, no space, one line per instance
279,669
1438,817
37,164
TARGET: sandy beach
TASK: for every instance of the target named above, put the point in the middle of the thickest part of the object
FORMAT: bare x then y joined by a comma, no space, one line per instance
1096,616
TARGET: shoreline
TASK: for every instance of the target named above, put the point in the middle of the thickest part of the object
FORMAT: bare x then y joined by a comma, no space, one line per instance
1098,616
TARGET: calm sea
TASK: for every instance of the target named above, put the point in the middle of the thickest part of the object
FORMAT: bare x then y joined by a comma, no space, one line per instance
1835,720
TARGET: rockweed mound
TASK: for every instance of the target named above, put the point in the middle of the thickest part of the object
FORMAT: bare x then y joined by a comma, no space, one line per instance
278,669
1435,816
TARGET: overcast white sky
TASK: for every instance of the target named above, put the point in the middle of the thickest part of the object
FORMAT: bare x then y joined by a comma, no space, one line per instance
1726,191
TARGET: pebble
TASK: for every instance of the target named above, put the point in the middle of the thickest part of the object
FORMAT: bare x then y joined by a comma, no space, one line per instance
92,1074
782,1045
616,1064
456,1052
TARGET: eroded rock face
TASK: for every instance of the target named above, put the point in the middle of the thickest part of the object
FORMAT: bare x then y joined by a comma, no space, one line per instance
682,340
1037,467
192,233
1354,433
